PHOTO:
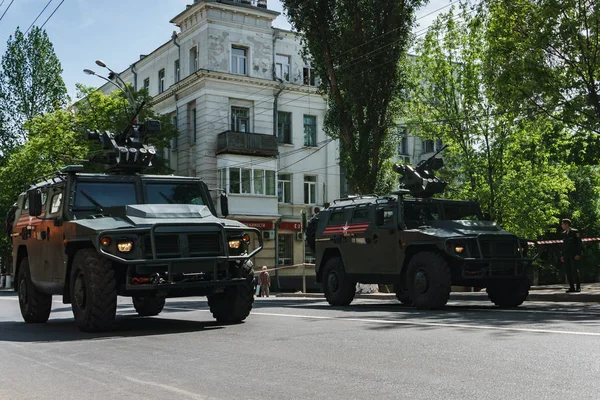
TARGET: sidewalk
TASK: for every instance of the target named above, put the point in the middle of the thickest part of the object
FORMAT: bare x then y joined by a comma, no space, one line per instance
590,293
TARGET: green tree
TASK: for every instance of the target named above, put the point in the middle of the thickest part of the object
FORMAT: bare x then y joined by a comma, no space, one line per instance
355,47
498,156
30,83
547,55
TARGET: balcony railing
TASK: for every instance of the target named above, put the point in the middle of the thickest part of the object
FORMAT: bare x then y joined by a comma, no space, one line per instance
230,142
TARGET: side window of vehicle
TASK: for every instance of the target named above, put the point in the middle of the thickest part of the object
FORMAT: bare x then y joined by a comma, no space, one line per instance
26,203
388,216
56,203
337,216
360,214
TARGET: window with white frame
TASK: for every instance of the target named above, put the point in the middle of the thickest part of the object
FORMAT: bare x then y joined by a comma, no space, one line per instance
310,189
161,80
282,67
427,146
310,130
176,69
403,141
147,84
248,181
308,75
193,59
438,144
240,119
284,127
284,188
239,60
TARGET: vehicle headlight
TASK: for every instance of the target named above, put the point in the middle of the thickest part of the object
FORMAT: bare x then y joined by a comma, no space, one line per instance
459,249
235,244
125,246
105,241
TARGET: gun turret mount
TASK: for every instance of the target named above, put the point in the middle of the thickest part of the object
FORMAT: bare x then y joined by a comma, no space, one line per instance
128,151
421,180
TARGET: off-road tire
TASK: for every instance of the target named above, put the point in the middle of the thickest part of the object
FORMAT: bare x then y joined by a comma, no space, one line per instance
339,289
148,306
403,296
35,305
93,291
234,304
311,232
508,294
429,281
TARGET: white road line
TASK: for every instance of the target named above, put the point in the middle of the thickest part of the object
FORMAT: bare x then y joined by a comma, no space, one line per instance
436,324
178,391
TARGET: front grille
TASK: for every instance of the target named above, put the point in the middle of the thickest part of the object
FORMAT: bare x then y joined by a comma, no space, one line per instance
205,244
167,246
498,248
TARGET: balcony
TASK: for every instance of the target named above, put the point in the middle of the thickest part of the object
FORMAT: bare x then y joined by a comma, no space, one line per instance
253,144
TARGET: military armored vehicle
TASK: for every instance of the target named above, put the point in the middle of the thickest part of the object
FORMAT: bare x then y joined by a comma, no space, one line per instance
420,244
89,237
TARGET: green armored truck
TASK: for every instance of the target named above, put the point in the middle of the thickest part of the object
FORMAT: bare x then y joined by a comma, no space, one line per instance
420,244
89,237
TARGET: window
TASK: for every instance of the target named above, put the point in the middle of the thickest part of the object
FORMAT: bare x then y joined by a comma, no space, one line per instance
284,251
259,181
310,130
282,67
174,193
438,144
360,214
284,188
240,119
270,183
147,84
234,180
284,127
176,138
56,203
193,59
92,195
239,60
388,216
194,125
337,216
309,255
246,181
222,178
310,189
308,75
161,80
403,142
427,146
176,68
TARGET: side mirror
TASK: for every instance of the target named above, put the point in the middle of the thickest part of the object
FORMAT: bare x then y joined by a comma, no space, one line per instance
35,202
224,205
487,216
379,217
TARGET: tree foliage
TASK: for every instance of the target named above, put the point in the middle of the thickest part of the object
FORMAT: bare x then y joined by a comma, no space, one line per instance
500,156
355,47
30,84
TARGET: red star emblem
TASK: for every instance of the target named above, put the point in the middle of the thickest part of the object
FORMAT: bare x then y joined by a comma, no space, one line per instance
345,227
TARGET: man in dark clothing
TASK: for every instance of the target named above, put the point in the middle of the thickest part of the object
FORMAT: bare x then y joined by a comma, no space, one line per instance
571,253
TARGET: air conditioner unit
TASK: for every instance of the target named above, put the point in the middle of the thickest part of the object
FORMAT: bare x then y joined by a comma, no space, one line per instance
269,235
299,236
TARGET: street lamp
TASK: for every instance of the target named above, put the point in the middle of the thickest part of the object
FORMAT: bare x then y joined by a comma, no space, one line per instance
101,63
127,95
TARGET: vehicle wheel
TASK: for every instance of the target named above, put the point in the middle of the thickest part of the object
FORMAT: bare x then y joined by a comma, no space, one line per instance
148,306
235,303
509,294
35,305
403,296
430,281
338,288
311,232
93,291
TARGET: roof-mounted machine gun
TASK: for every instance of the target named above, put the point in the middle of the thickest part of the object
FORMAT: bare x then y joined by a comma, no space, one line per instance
421,180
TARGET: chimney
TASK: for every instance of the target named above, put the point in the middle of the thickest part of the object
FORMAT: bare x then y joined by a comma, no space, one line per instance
261,4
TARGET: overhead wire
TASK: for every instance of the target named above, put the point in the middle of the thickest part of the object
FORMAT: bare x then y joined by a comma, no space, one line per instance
55,10
7,8
39,15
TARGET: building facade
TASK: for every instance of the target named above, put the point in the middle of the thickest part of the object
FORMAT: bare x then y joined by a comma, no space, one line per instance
250,120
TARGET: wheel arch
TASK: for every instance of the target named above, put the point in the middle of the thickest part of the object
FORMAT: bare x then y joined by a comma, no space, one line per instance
327,255
411,250
21,254
71,249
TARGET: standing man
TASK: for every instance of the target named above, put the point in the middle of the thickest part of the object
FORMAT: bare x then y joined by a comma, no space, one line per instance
571,253
264,281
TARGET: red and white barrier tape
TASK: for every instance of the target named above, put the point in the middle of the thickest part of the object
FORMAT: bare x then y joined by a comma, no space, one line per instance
257,271
560,241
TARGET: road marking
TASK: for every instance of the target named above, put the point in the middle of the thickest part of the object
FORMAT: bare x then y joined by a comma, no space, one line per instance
173,389
436,324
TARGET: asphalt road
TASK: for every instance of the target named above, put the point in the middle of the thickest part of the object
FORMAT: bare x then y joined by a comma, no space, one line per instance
303,348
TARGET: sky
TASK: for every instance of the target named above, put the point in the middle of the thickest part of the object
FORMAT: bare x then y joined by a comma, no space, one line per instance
116,32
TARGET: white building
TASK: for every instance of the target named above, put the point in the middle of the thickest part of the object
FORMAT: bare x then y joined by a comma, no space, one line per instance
249,116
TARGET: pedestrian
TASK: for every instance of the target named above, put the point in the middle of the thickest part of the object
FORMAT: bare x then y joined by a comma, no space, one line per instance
264,281
571,253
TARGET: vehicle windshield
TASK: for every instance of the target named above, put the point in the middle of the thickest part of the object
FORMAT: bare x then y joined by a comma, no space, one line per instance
96,195
466,211
174,193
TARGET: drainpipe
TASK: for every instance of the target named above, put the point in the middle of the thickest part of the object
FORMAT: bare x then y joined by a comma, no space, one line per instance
277,251
133,71
174,37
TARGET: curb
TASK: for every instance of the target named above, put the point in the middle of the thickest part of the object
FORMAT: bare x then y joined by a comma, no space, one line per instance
476,296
